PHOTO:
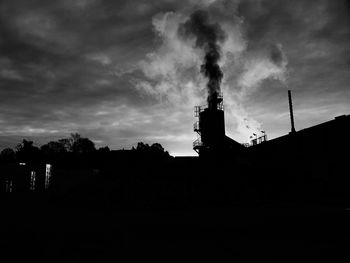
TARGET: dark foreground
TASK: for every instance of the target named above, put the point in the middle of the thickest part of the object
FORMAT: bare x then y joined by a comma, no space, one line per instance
292,206
73,234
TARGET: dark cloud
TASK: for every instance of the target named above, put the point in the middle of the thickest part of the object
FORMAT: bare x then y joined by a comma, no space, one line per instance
315,36
276,55
70,66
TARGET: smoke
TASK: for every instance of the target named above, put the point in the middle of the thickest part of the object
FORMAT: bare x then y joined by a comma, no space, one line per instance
270,63
171,70
208,37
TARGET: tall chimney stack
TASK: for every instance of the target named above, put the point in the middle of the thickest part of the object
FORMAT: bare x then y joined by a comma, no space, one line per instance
291,111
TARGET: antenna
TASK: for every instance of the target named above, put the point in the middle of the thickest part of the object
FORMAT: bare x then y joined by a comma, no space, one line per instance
291,111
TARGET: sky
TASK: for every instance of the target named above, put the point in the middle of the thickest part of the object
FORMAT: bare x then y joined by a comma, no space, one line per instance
119,72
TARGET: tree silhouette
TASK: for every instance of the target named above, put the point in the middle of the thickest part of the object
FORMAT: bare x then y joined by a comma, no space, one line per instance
7,155
155,150
75,143
53,147
104,149
66,144
141,147
83,145
26,151
157,147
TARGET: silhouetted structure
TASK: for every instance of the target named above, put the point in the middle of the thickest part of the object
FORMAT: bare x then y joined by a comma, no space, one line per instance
211,129
308,165
294,187
291,111
25,177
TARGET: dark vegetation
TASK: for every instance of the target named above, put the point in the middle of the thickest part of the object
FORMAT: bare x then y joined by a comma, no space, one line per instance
63,149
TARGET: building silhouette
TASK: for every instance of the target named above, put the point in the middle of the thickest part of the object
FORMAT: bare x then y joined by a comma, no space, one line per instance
210,127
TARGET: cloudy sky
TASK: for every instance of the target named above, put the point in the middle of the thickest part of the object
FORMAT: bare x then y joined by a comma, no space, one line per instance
119,72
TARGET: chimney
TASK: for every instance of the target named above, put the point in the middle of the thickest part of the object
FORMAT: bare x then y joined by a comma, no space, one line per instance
210,126
291,111
214,101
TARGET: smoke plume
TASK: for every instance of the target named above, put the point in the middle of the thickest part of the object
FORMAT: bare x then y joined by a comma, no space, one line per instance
208,37
202,36
270,63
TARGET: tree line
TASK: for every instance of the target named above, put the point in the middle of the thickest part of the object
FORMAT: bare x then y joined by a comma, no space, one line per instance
74,145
